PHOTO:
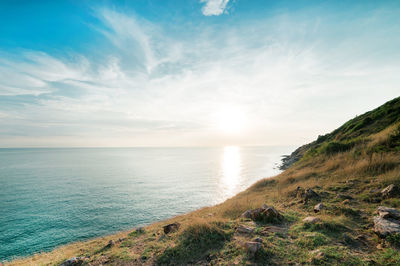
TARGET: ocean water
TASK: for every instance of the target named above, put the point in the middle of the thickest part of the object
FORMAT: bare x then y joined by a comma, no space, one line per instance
51,197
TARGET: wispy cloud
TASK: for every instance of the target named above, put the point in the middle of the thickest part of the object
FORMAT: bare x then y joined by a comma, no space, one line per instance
213,7
153,88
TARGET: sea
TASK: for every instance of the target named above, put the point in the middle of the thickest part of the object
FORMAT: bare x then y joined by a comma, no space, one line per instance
54,196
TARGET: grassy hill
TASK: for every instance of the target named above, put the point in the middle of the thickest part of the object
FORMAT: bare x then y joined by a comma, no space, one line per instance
344,170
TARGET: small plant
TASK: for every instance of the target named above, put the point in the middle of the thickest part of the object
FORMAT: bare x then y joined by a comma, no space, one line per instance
394,239
312,240
195,242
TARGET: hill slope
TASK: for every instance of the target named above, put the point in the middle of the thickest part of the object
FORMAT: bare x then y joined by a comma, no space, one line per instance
345,170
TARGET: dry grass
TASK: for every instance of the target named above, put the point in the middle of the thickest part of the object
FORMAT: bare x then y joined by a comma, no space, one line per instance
355,172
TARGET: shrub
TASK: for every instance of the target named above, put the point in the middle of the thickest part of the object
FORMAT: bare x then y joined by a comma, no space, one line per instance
394,239
333,147
195,243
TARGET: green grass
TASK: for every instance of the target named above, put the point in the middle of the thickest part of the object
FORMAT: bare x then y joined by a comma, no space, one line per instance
195,243
358,160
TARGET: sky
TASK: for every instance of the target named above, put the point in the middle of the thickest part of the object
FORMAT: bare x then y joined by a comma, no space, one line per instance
191,73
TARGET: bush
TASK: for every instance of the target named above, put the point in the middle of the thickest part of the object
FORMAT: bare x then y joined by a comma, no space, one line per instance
333,147
394,239
195,243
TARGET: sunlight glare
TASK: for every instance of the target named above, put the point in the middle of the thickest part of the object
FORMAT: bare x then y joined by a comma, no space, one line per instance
230,120
231,170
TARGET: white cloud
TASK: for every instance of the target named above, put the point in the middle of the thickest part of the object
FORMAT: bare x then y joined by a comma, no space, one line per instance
290,85
213,7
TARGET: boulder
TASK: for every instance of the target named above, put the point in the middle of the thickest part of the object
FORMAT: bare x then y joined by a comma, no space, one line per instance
111,243
384,227
319,207
139,230
311,220
265,214
310,194
74,261
244,230
169,228
387,213
390,191
272,229
271,215
306,194
254,214
252,247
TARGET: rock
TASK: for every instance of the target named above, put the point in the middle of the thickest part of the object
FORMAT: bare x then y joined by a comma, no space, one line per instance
271,215
319,207
252,247
311,220
111,243
387,213
390,191
310,194
306,194
246,214
266,214
272,229
384,227
169,228
253,214
74,261
258,239
139,230
244,230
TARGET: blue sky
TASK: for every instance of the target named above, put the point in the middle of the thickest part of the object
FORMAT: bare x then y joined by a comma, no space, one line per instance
191,73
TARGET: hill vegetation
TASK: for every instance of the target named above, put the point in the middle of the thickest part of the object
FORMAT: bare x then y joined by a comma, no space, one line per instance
321,210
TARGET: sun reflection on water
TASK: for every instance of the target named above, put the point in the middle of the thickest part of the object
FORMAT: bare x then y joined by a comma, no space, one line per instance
231,170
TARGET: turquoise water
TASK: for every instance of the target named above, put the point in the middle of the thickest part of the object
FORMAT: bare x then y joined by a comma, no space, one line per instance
51,197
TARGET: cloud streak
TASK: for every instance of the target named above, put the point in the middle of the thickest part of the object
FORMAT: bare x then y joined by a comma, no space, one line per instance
153,88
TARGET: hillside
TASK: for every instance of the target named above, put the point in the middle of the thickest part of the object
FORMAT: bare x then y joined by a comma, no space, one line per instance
351,171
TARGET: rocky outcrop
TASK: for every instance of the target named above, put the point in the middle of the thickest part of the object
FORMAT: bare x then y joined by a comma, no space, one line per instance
390,191
388,213
110,244
319,207
140,230
264,214
384,227
288,160
388,221
253,247
74,261
170,228
244,230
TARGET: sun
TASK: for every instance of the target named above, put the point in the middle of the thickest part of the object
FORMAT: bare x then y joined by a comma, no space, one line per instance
230,120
